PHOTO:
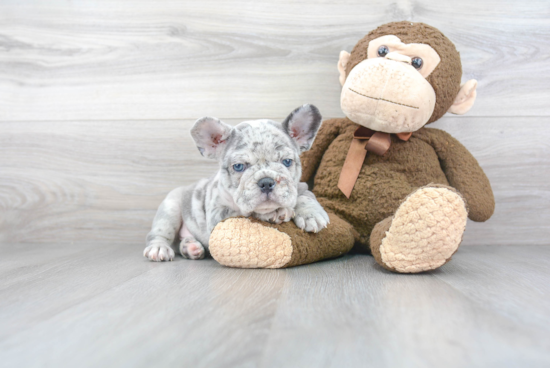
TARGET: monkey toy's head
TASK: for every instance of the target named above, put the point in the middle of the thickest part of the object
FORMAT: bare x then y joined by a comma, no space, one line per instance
402,76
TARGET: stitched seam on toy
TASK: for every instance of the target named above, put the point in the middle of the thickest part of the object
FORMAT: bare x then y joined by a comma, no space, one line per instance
383,99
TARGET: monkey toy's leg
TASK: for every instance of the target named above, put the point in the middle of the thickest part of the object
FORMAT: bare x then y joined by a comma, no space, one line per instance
424,232
248,243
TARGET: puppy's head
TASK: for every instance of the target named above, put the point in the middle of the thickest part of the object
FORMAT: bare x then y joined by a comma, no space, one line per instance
259,159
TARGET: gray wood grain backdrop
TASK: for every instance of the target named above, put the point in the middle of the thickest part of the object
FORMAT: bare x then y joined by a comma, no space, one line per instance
97,97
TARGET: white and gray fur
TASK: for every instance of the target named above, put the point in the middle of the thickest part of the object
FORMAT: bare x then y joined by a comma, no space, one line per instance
188,215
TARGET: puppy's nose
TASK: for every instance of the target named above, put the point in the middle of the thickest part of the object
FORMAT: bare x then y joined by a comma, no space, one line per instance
266,185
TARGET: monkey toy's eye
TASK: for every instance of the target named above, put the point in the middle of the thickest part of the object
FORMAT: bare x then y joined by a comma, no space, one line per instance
383,51
417,62
238,167
287,162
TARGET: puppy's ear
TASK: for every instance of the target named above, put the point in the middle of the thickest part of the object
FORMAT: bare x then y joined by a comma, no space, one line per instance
302,125
210,135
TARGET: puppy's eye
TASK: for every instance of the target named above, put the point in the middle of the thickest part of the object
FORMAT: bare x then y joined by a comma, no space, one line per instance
287,162
238,167
383,51
417,62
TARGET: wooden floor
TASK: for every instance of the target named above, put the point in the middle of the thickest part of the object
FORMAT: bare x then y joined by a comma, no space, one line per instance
89,306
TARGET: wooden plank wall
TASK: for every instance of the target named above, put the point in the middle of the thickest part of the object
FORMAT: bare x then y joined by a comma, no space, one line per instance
97,97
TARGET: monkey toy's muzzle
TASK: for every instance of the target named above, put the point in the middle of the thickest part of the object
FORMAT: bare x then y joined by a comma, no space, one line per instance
388,96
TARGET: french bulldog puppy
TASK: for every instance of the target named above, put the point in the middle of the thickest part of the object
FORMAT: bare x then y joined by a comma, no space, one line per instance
259,176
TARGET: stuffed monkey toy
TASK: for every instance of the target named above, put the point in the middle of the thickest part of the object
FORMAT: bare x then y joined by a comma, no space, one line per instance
392,187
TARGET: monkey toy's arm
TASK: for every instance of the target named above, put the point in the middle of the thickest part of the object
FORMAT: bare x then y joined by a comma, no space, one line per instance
463,173
311,159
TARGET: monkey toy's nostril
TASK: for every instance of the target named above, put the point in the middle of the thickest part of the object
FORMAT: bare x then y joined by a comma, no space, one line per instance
266,185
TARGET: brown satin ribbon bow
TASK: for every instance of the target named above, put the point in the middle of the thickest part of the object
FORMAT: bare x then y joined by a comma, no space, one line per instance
364,140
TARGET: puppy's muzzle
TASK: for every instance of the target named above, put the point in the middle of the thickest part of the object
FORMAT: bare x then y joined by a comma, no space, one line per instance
266,185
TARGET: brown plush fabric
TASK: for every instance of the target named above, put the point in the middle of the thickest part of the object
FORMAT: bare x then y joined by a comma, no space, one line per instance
430,156
239,242
445,79
463,173
378,233
337,239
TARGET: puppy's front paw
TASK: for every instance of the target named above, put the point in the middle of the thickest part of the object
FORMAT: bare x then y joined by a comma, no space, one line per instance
283,214
312,222
191,248
158,252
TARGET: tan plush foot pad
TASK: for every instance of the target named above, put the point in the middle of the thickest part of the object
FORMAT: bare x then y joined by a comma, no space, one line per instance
425,231
239,242
250,243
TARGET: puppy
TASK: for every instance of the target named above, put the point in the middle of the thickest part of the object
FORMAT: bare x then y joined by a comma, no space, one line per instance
259,176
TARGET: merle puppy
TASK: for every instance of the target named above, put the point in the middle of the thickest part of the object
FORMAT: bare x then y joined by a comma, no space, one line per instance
259,176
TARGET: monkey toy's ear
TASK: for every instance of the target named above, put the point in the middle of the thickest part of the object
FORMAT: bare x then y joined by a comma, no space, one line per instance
342,65
210,136
465,98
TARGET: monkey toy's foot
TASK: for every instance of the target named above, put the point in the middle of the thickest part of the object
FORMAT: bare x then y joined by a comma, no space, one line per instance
424,233
249,243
